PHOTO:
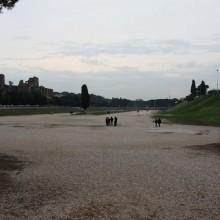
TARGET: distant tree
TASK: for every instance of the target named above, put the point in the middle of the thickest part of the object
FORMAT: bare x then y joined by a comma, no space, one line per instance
189,98
8,4
213,92
68,99
193,89
10,83
202,88
85,98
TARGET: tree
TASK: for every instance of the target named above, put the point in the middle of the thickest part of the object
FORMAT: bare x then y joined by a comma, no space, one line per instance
193,89
202,88
85,98
8,4
10,83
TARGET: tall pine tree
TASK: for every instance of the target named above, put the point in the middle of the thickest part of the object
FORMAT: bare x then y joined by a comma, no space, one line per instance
193,89
85,98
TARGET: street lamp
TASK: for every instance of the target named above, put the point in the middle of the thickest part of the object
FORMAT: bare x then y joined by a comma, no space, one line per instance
217,79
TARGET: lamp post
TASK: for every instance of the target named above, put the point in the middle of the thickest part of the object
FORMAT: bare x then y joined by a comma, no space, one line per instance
217,80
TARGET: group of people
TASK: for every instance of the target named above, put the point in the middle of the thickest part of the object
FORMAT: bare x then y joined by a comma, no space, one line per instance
110,121
157,122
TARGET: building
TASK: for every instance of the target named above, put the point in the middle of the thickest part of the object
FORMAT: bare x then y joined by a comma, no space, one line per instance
45,91
33,82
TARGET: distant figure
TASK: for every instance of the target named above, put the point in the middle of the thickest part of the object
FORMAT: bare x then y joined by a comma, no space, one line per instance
156,122
115,121
111,120
159,121
107,121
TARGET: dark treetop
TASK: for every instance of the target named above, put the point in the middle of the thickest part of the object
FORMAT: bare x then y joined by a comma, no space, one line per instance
8,4
85,98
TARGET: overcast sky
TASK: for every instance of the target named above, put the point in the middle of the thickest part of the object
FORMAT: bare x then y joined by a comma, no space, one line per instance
120,48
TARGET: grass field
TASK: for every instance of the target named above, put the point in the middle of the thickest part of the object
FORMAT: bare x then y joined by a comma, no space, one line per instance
10,111
203,111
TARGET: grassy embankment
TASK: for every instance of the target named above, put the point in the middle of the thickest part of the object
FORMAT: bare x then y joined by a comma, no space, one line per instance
13,111
201,111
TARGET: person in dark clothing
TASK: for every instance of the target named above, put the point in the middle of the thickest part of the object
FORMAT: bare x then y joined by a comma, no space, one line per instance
111,120
159,121
107,121
156,122
115,121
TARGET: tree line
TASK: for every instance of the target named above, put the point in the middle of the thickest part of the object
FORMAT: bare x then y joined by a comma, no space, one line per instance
197,91
15,96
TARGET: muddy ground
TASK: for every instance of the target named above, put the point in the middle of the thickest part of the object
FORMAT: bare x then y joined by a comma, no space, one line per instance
67,167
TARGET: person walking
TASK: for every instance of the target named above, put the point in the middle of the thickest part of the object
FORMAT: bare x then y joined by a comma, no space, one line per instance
159,122
115,121
156,122
111,119
107,121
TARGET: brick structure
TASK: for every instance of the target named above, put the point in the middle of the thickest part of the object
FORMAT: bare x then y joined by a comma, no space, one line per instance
46,91
33,82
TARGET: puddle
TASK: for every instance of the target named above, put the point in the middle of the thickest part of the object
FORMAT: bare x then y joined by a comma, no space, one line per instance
209,148
56,125
9,164
162,130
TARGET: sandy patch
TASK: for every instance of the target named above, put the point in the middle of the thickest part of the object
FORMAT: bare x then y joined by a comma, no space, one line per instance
80,169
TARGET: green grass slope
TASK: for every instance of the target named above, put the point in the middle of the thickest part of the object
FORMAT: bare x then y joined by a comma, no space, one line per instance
14,111
204,110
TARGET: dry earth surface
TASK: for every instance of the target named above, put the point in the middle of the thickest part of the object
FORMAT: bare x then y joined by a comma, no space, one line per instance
64,167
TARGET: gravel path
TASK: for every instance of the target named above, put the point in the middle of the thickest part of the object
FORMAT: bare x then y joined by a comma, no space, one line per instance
64,167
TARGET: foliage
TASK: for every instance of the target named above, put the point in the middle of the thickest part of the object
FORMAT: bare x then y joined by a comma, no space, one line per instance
85,98
13,96
8,4
213,92
66,99
202,88
193,88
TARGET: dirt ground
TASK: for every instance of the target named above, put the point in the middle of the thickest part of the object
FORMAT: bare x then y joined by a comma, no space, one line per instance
65,167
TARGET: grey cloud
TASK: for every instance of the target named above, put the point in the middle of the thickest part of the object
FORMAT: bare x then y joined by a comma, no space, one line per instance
93,61
22,38
87,51
189,65
24,58
135,47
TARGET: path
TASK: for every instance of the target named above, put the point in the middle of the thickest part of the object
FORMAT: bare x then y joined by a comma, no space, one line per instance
73,167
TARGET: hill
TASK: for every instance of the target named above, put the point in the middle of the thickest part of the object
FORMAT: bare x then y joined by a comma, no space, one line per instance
203,110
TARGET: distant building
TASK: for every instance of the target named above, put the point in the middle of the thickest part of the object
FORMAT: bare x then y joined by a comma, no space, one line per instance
32,84
46,91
